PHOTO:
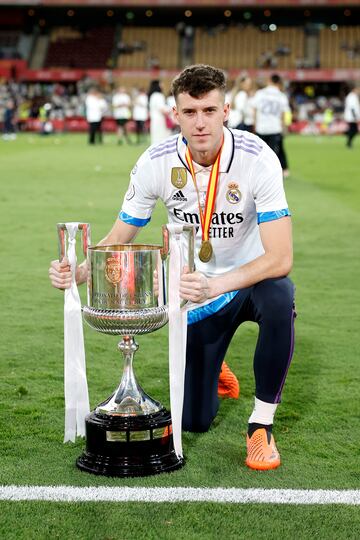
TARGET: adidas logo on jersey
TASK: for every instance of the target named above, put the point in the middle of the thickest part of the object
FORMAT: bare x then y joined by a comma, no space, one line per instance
179,196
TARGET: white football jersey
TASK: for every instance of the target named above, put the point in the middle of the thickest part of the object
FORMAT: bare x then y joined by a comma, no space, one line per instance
121,103
352,108
270,104
95,108
250,191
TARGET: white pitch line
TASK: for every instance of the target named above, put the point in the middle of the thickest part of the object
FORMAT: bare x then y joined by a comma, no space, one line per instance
179,494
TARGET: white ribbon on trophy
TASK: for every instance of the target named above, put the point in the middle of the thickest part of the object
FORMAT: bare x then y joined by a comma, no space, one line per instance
177,335
75,382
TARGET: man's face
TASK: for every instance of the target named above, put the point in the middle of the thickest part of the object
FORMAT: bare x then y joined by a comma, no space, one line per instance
201,119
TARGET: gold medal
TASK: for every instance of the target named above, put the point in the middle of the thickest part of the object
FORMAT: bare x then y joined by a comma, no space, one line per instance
206,251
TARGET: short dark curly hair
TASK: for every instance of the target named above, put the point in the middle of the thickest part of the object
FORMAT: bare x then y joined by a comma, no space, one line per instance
198,80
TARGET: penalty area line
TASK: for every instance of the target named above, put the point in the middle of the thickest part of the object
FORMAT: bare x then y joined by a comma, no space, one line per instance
179,494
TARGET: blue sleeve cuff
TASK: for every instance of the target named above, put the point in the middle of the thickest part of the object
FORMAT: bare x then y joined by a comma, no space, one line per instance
137,222
263,217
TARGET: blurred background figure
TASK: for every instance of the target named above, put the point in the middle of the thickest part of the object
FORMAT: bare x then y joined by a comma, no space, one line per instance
271,107
328,118
249,113
234,119
352,114
171,123
9,133
47,127
158,112
140,114
241,111
95,106
121,104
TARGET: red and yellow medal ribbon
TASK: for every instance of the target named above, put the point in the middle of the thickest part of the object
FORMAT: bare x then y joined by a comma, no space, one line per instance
206,215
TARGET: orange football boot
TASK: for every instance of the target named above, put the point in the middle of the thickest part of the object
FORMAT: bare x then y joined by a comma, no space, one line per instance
228,385
262,453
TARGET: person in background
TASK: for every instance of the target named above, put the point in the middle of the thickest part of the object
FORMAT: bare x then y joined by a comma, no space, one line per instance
171,123
121,104
158,111
47,127
234,119
352,114
271,106
328,118
95,106
248,114
239,107
9,132
140,114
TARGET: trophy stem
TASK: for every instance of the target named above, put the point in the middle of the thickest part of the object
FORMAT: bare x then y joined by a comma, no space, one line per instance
128,347
129,399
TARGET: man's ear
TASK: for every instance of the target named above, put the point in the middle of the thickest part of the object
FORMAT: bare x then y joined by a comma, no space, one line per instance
226,111
176,115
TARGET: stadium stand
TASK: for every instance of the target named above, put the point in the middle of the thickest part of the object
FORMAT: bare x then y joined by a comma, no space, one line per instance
148,47
340,48
246,46
91,49
9,41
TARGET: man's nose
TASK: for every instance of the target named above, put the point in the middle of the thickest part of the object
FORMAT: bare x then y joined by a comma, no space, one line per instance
200,124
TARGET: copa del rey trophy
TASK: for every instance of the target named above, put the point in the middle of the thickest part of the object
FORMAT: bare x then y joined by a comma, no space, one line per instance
132,289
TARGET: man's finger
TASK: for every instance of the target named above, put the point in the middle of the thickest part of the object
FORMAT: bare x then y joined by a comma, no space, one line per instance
192,278
64,265
60,274
64,262
60,283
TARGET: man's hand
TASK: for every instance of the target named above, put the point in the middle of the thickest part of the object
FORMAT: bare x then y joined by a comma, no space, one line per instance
194,286
60,274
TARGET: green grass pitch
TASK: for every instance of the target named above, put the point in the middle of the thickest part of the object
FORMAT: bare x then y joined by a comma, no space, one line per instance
317,428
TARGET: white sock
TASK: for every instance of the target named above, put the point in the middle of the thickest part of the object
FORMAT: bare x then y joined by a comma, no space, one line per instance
263,412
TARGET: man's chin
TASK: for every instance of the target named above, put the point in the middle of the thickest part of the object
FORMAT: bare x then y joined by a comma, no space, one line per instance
200,145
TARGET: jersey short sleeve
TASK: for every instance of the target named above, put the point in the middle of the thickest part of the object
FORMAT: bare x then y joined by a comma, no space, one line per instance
267,187
141,196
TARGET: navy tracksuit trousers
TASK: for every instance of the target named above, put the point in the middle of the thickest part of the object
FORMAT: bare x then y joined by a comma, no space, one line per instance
270,303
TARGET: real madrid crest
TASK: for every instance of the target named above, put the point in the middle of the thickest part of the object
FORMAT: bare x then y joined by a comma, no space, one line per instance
178,177
233,194
113,270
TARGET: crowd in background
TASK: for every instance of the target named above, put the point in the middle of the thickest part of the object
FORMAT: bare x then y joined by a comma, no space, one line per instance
55,101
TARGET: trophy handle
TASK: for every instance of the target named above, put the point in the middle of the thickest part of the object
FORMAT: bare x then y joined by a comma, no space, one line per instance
190,230
85,238
164,251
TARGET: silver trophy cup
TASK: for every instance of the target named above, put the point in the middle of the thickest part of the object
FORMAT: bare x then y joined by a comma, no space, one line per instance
130,433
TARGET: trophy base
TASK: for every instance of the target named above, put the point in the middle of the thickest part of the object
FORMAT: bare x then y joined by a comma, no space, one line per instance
129,445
